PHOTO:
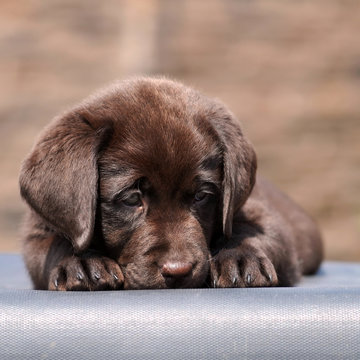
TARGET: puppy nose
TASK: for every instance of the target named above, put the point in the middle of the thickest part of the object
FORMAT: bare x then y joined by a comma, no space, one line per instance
176,269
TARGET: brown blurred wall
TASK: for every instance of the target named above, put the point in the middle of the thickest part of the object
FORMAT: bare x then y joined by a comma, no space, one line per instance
289,70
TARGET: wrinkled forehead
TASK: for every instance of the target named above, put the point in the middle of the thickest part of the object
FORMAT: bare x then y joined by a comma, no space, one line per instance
164,140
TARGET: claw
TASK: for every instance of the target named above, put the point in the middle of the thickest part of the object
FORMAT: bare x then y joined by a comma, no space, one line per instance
234,279
96,275
115,277
56,283
79,276
248,279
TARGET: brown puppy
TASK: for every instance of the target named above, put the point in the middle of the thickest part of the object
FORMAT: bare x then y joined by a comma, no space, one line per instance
149,184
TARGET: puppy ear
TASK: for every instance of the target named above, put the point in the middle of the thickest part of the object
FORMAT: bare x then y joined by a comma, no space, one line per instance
239,167
59,179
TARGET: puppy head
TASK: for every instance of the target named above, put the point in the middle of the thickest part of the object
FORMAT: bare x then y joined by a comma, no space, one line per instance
149,168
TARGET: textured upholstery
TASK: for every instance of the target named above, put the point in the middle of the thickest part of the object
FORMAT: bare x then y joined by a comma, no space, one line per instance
318,319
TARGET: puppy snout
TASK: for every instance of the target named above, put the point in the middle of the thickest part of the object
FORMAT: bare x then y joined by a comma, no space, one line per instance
176,270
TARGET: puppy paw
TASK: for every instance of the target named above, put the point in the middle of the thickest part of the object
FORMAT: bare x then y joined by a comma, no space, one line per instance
86,273
239,268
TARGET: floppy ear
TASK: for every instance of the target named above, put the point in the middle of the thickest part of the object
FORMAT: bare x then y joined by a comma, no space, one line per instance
59,178
239,167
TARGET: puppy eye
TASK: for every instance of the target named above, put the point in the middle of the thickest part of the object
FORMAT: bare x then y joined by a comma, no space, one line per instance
134,199
201,196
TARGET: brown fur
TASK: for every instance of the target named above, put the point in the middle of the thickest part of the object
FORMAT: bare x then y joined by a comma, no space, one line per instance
149,184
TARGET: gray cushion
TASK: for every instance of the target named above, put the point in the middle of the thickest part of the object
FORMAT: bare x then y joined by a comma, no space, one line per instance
319,319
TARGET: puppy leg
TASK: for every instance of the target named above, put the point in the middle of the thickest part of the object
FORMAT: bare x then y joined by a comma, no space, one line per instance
53,266
86,272
261,251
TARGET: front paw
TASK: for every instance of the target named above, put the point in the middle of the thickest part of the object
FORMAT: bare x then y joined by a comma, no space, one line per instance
86,273
242,267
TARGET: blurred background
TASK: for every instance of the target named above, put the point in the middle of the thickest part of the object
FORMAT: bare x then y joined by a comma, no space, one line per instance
290,70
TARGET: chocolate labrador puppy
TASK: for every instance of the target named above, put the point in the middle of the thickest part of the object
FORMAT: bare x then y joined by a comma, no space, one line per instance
149,184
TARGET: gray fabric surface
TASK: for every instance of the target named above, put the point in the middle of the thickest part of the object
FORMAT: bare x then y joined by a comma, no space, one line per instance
319,319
